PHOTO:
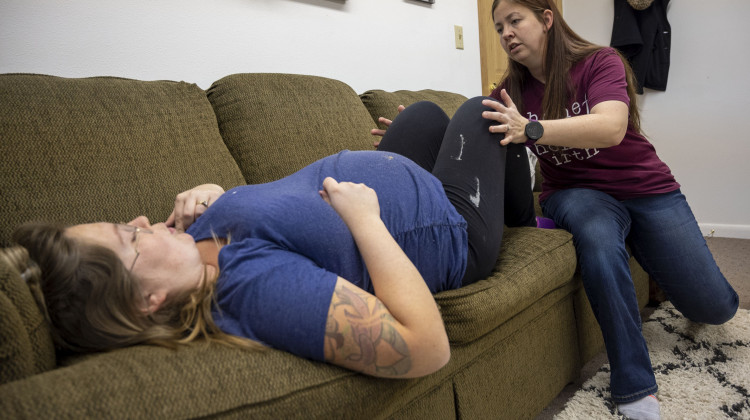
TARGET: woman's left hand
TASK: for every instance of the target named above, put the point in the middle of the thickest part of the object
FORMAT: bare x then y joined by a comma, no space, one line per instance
512,123
387,123
191,204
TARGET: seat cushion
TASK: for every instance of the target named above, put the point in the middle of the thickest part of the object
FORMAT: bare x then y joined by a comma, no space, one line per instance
276,124
206,381
532,263
103,148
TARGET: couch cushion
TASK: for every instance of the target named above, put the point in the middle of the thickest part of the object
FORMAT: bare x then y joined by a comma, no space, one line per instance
532,263
206,381
26,346
129,148
380,103
275,124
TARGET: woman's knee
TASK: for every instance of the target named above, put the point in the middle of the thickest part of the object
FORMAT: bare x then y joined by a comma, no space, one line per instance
475,105
588,214
469,121
598,237
599,240
724,313
424,110
714,311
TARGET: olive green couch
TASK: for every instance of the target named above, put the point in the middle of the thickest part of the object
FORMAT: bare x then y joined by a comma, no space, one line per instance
109,149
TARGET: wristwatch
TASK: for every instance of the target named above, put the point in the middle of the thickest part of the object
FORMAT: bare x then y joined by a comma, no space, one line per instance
534,131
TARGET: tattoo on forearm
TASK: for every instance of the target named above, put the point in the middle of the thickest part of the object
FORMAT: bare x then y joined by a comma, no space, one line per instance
368,338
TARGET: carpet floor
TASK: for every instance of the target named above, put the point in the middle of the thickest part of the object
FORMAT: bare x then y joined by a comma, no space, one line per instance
703,371
733,258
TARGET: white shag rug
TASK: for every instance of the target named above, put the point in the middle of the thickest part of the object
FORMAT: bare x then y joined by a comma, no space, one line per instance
703,371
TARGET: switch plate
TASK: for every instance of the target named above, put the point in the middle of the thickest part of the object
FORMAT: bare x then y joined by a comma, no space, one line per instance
459,30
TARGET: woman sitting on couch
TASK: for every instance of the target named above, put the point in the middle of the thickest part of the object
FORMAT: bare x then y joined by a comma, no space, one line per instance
337,262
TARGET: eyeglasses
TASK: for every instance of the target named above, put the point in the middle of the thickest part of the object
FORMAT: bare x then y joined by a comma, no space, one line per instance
135,230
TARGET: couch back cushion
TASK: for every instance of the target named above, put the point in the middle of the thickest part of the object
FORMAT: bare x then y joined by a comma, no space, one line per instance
26,346
276,124
103,148
380,103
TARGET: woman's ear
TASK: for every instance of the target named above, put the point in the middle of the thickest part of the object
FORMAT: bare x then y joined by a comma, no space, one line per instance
548,18
154,302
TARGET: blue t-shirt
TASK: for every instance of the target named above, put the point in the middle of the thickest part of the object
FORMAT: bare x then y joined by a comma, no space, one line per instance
287,245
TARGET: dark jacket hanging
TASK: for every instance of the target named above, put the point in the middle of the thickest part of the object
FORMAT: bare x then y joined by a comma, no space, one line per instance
644,38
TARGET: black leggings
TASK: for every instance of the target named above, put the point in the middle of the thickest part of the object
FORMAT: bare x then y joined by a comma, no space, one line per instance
488,184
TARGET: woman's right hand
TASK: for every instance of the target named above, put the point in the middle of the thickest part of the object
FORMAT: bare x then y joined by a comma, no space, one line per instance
191,204
385,121
397,332
512,123
356,204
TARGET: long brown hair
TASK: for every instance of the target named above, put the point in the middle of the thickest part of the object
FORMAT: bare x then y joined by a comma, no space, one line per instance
563,49
91,300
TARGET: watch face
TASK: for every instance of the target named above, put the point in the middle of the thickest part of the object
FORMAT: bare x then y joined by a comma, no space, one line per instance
534,130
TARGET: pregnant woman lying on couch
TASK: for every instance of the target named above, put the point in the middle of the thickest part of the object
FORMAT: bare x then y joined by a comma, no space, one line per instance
337,262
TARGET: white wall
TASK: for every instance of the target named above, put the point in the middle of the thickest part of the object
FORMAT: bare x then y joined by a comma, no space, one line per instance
369,44
700,124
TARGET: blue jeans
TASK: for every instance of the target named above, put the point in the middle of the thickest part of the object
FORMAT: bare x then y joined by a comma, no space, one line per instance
665,240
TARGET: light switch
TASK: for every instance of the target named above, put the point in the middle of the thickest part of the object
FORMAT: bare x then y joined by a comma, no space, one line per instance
459,30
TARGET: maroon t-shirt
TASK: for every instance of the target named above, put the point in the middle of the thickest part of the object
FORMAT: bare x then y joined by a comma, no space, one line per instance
629,170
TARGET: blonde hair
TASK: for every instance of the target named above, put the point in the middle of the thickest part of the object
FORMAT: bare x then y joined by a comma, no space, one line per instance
91,300
563,49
